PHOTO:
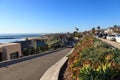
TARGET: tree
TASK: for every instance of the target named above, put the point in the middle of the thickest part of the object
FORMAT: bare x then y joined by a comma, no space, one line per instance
115,26
98,27
76,34
76,29
93,30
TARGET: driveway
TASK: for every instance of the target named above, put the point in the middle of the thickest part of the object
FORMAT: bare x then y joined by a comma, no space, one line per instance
31,69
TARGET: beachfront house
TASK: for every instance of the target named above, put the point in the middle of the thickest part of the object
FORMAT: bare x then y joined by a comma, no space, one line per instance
10,51
25,44
29,46
31,43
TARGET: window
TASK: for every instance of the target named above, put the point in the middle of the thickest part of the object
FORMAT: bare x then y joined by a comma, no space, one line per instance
14,55
112,35
0,56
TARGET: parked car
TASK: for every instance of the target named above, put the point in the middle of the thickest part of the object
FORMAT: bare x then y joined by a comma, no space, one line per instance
70,44
111,37
100,35
104,36
117,38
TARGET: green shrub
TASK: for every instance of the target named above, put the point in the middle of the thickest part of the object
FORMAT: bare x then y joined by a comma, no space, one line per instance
93,59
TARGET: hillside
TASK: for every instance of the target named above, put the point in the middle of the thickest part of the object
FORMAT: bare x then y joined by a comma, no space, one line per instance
93,59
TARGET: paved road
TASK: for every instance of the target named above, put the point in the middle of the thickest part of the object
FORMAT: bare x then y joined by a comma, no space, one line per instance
113,43
31,69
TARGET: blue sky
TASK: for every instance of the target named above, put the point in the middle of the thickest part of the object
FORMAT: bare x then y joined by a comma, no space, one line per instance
51,16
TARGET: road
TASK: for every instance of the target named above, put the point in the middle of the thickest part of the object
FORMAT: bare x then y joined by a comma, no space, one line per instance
113,43
31,69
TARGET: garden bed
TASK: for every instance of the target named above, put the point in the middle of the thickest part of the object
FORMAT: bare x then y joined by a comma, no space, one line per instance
93,59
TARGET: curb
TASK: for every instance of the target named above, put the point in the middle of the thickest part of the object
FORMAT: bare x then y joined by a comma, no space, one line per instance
53,72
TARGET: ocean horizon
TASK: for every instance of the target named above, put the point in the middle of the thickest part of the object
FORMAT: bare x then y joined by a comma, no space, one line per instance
6,38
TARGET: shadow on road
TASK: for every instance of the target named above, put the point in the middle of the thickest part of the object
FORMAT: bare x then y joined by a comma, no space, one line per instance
7,63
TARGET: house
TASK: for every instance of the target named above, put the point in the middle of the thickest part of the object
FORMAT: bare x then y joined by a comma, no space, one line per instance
33,43
25,44
10,51
112,30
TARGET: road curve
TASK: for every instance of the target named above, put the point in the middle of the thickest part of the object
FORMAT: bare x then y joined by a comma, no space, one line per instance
31,69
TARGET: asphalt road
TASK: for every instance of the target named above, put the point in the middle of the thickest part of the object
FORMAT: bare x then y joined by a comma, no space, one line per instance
113,43
31,69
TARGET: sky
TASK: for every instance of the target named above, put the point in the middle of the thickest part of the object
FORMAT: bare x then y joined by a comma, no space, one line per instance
57,16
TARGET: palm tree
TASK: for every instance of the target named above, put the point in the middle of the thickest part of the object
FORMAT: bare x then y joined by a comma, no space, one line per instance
93,30
115,26
98,27
75,33
76,29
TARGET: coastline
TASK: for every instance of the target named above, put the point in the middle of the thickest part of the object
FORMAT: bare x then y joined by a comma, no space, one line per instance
15,38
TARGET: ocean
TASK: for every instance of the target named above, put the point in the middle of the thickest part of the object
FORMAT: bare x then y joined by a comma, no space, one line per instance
5,38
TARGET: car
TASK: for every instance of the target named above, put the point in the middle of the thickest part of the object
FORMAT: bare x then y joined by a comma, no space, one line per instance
111,37
100,35
70,44
104,36
117,38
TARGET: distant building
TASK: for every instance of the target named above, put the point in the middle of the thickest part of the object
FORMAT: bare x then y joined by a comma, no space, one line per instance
113,30
10,51
33,43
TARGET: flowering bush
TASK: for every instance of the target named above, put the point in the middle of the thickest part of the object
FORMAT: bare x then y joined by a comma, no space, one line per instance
93,59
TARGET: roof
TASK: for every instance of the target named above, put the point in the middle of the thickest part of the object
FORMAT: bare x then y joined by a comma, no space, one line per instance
39,38
7,44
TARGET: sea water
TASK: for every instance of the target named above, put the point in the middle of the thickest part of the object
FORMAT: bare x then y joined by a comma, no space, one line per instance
5,38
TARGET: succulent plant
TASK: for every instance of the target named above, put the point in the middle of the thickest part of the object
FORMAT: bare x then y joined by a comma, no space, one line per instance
93,59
